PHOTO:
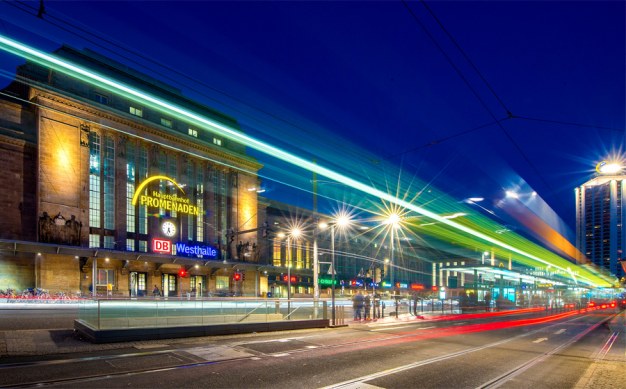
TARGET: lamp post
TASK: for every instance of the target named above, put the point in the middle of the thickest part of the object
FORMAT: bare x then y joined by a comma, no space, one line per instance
342,220
316,285
393,221
332,276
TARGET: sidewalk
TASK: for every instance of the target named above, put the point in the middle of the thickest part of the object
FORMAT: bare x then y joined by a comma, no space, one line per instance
607,371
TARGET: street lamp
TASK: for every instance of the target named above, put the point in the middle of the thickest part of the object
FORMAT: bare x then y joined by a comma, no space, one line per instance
294,233
393,221
342,220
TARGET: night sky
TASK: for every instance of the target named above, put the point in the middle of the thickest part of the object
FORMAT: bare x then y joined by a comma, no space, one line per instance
471,98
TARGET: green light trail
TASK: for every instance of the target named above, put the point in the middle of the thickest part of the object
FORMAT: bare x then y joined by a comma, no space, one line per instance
177,111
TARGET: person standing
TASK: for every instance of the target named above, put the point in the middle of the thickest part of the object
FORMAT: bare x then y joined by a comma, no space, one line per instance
357,305
156,292
368,306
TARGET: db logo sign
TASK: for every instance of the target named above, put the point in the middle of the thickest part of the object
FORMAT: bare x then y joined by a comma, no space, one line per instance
161,246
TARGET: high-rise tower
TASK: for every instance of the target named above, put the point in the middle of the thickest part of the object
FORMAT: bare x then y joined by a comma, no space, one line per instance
600,215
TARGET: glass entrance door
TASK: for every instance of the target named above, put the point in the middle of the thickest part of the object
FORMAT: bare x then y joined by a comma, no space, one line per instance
137,283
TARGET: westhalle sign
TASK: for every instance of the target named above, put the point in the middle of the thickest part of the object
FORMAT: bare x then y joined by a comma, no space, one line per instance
169,202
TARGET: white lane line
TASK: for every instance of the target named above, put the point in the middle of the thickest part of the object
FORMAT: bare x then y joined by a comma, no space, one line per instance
539,340
559,332
405,326
386,328
358,380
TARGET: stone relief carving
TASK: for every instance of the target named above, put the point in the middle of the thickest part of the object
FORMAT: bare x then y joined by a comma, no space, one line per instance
60,230
84,135
121,145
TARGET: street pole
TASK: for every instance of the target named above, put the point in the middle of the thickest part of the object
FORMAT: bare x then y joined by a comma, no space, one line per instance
332,266
391,267
316,286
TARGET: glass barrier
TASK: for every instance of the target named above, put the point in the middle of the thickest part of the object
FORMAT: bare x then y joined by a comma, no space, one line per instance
137,313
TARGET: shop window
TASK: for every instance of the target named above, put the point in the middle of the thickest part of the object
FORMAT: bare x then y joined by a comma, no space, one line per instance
105,277
222,283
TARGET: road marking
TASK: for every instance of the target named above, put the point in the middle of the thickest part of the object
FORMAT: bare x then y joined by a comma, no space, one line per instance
361,385
359,380
540,340
559,332
386,328
280,355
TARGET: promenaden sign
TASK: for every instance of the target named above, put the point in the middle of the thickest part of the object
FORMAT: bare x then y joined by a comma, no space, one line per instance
169,202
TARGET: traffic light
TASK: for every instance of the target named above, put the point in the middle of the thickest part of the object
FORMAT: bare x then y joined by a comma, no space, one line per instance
237,276
182,272
435,288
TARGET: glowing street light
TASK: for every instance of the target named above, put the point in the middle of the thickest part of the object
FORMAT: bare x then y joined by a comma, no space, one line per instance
343,221
605,167
393,220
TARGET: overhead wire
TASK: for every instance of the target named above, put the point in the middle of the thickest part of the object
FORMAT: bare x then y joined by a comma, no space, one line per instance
477,95
50,18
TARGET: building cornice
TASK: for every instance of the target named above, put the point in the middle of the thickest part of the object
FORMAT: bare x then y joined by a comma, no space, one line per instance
43,96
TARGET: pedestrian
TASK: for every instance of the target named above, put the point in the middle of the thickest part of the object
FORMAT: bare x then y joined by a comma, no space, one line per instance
376,314
368,306
357,305
156,292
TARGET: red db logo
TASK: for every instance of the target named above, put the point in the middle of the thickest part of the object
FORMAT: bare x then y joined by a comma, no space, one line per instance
161,246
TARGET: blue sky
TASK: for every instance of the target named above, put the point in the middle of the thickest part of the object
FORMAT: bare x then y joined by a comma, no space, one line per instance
469,97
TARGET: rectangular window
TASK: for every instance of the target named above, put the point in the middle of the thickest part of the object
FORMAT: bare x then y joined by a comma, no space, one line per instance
136,111
173,173
109,183
130,245
105,277
200,205
94,180
102,99
191,183
142,173
217,141
172,282
130,187
143,246
193,132
166,122
276,254
94,240
221,283
141,281
299,255
109,243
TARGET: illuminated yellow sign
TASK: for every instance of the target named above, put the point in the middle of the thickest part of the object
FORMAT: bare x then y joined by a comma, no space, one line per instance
169,202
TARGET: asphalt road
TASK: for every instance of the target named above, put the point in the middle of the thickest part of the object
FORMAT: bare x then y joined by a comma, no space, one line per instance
516,352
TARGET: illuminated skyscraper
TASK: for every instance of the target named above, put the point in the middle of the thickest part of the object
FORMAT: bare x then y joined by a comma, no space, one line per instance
599,218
